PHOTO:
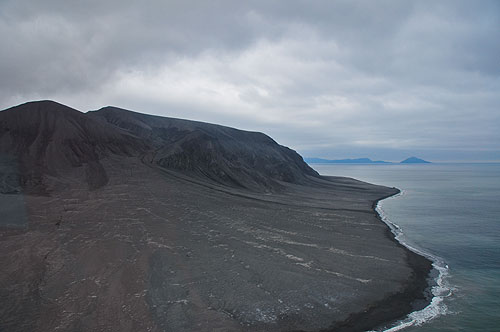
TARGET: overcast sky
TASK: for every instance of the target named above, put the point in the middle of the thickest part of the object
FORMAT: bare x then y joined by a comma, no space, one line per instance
333,79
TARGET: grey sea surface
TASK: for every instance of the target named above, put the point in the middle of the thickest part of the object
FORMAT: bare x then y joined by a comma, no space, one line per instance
450,212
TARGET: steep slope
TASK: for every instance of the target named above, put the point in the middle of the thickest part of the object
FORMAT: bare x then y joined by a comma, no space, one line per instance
222,154
46,139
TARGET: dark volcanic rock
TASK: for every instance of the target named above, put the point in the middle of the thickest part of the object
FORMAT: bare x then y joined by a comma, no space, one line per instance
225,155
173,240
50,139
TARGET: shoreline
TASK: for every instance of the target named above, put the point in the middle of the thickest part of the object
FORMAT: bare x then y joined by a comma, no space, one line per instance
416,295
173,247
438,288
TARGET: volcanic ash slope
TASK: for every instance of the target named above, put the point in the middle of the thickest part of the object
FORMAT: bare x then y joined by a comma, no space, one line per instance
120,221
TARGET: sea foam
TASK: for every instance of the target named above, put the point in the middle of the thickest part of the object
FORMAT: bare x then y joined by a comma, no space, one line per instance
440,290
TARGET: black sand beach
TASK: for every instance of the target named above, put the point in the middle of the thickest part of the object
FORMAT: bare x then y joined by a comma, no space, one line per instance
147,247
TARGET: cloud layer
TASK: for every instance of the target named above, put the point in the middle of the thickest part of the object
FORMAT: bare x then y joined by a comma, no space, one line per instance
329,78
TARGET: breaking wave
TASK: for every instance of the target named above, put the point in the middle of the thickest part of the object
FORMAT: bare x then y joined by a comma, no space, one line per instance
440,289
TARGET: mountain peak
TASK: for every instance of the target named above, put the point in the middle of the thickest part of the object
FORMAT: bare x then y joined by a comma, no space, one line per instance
51,140
41,105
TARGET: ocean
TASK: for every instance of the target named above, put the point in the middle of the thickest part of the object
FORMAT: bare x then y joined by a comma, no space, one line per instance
450,213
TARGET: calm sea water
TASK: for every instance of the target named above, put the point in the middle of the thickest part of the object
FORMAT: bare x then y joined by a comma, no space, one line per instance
451,212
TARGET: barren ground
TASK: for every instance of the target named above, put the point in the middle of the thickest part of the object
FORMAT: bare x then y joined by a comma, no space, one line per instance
156,251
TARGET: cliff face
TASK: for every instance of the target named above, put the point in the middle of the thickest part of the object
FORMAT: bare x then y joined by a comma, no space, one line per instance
49,139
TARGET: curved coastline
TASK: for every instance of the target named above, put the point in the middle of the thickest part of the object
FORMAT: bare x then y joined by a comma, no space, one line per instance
437,290
416,296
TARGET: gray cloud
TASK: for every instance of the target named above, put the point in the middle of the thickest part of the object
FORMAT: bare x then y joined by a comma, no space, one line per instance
328,78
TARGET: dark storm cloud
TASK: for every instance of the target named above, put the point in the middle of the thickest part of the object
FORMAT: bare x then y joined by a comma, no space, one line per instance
325,77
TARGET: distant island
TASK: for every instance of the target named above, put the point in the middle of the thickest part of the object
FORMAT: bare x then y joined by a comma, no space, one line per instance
344,161
415,160
411,160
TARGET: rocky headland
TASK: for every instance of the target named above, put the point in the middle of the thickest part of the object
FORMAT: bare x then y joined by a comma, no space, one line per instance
114,220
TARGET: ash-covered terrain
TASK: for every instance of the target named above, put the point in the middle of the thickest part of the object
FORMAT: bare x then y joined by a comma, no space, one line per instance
119,221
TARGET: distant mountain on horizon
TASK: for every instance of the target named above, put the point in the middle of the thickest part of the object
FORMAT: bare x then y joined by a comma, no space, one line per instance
414,160
345,161
410,160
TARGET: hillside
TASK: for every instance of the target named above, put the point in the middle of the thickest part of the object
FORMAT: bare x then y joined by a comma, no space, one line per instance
45,143
119,221
226,155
